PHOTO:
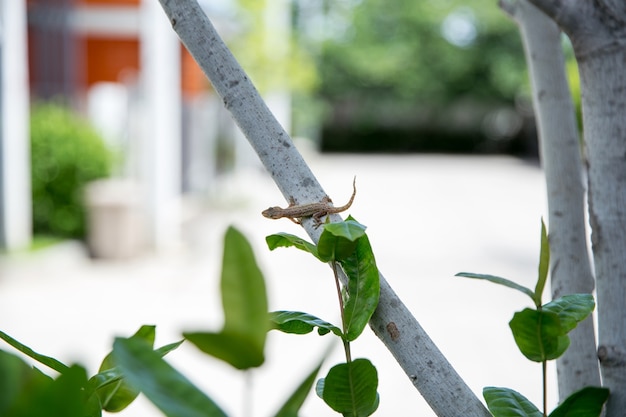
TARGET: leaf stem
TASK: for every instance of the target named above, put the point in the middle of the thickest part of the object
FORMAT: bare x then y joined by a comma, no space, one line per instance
544,365
346,344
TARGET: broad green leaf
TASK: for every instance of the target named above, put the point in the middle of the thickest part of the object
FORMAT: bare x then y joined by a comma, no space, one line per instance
113,375
243,289
163,385
500,281
116,394
350,388
544,265
301,323
18,383
27,392
241,342
292,406
504,402
349,229
287,240
572,309
67,396
539,334
239,350
587,402
46,360
339,240
363,289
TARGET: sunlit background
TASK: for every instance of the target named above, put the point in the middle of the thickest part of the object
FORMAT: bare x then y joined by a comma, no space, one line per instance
120,170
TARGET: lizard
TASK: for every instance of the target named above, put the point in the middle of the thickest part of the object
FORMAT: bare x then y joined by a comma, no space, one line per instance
296,213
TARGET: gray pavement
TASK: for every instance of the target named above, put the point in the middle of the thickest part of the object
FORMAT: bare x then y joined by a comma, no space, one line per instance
428,218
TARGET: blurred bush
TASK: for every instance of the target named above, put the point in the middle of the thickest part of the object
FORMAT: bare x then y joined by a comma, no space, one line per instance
420,76
66,153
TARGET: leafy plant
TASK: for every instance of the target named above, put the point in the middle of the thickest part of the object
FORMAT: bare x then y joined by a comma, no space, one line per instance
134,366
349,388
541,335
66,153
27,391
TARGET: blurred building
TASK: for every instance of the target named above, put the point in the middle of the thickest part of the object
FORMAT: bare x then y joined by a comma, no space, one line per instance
120,63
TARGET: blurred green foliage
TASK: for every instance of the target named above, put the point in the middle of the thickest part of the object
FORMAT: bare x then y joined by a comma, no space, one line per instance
268,52
428,75
427,51
66,153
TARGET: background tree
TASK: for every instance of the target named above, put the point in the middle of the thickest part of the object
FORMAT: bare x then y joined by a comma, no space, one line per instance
597,31
562,163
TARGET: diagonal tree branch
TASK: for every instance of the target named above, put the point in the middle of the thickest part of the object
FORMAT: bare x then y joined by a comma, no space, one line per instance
560,156
422,361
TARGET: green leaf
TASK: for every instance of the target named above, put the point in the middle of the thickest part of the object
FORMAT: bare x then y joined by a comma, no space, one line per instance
46,360
244,296
113,392
113,376
572,309
241,342
236,349
363,289
295,401
500,281
349,229
350,388
287,240
539,334
587,402
339,240
67,397
301,323
18,383
163,385
544,265
504,402
27,392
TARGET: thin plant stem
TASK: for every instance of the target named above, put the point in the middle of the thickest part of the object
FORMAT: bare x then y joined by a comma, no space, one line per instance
544,365
247,393
346,344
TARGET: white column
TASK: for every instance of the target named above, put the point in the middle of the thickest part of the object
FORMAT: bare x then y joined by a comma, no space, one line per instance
161,136
15,201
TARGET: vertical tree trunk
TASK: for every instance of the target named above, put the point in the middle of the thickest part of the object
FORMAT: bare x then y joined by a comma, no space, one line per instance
560,156
604,113
598,33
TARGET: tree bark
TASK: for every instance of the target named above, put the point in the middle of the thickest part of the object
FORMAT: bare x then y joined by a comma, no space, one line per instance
598,33
561,160
424,364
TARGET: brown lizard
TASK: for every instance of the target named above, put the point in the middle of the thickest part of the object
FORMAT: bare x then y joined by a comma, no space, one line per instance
296,213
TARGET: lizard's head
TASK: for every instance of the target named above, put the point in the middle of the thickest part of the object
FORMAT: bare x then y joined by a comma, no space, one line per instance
272,213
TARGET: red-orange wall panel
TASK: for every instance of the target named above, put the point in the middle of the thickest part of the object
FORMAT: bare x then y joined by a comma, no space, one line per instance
110,2
107,59
192,78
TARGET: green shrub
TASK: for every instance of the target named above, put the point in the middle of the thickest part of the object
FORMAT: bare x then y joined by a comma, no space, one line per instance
66,153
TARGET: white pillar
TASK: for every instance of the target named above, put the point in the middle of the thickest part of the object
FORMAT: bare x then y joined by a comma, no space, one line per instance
15,198
161,137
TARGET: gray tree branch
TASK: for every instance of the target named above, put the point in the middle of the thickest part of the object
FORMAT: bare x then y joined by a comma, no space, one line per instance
421,360
560,148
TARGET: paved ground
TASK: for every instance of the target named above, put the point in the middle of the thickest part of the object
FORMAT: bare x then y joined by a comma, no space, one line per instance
428,218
